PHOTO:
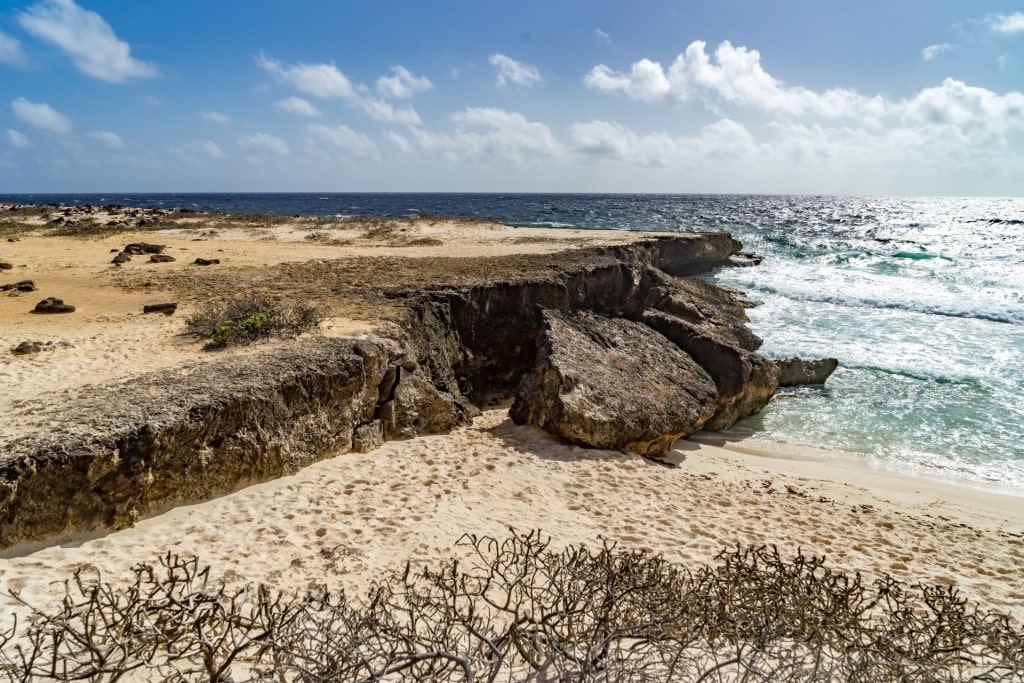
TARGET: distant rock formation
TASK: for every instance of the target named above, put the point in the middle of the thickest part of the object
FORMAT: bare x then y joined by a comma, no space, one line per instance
612,383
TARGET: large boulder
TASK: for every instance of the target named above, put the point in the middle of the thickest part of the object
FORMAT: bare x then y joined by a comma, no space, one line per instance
708,322
795,372
612,383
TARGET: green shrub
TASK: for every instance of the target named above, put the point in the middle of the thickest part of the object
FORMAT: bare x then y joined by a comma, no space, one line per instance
243,320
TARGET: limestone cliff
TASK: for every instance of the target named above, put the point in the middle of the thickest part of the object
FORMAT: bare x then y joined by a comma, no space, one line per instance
117,451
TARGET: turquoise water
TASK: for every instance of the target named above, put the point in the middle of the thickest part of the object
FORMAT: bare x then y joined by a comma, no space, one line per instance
921,299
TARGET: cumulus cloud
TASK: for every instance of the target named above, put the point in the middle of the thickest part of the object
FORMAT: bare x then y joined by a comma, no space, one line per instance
41,115
17,139
345,139
262,142
610,141
484,136
297,106
977,113
10,50
734,76
511,71
327,81
198,152
319,80
216,117
111,140
403,84
90,42
1006,23
932,51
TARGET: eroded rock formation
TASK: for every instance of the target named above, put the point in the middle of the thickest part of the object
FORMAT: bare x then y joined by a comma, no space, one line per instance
612,383
124,449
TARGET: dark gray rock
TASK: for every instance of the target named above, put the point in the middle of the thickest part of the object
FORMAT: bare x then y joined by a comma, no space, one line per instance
166,309
22,286
140,248
53,305
207,261
161,258
612,383
794,372
5,266
122,257
26,348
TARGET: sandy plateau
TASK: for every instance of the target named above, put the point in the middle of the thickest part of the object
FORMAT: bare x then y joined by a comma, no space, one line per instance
347,519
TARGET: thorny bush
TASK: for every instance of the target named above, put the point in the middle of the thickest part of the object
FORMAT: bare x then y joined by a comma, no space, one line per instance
243,320
519,610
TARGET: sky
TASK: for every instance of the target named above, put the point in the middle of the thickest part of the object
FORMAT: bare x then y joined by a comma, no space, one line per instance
873,97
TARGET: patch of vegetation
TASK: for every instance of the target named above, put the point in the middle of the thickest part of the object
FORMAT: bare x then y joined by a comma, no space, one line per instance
243,320
521,611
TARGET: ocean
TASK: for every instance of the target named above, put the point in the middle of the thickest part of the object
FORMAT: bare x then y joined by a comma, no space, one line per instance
921,299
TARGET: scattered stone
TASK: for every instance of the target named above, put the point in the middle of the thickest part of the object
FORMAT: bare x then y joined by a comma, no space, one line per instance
166,309
207,261
795,372
13,239
22,286
53,305
612,383
26,348
122,257
140,248
114,250
161,258
5,266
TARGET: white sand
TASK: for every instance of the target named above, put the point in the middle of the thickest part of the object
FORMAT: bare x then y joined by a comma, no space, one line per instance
346,520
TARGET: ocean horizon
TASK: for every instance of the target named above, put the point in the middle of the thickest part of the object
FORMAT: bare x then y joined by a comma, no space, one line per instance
920,299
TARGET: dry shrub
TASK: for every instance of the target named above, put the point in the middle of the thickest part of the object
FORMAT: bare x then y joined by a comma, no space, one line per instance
520,611
243,320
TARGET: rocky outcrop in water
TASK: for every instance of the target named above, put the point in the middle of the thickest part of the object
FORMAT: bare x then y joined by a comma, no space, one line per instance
612,383
124,449
794,372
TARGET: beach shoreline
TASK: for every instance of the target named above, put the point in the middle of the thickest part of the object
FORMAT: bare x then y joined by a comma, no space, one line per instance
353,516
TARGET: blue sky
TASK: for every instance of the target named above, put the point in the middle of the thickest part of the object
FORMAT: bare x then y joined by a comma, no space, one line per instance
783,96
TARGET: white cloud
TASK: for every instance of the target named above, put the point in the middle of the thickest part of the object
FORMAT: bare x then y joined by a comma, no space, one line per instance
933,51
483,136
94,48
327,81
735,76
198,152
216,117
346,139
298,106
262,142
111,140
977,113
10,50
602,36
722,140
41,116
319,80
403,85
17,139
383,111
1006,23
511,71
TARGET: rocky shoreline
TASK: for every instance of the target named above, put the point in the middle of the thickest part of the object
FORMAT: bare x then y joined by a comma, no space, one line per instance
451,338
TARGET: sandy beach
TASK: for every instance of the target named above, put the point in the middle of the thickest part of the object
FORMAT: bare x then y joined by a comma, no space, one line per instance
346,520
